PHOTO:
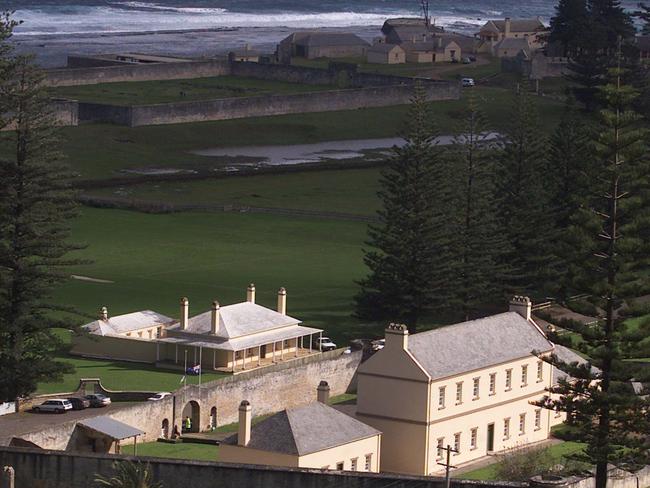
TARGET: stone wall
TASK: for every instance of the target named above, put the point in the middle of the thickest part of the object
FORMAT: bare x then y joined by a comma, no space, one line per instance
66,112
269,390
52,469
136,72
236,108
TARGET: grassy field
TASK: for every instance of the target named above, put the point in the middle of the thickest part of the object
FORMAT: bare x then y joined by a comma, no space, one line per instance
120,375
351,191
558,452
180,450
98,151
164,91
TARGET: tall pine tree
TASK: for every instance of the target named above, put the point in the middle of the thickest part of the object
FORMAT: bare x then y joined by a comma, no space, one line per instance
568,24
478,246
409,272
524,214
36,204
611,235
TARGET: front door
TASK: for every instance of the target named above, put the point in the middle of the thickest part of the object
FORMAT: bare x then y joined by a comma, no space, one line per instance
263,351
490,437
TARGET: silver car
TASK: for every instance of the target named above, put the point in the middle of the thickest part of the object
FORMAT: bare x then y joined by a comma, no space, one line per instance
56,405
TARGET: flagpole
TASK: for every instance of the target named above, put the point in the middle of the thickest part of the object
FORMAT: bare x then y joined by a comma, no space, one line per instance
200,363
185,370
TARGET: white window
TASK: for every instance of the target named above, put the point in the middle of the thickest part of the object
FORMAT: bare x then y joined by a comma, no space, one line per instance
339,466
538,419
353,464
524,375
540,371
508,379
506,428
522,423
441,397
368,462
476,388
440,447
473,438
493,383
457,443
459,393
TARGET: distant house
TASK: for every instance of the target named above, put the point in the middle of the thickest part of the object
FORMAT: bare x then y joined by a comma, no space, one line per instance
382,53
317,44
495,31
244,54
438,50
406,29
311,436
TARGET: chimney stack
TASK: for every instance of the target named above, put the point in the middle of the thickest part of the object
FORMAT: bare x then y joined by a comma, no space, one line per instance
397,335
250,293
282,301
244,432
522,305
8,479
185,313
507,27
103,314
323,392
214,324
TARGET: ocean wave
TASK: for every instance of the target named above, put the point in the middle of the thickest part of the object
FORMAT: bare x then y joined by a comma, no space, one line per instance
154,6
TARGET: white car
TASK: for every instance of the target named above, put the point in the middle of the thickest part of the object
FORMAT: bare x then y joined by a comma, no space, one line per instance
56,405
324,344
159,396
467,82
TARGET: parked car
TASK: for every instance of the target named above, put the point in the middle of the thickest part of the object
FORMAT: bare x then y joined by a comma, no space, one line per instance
159,396
324,344
467,60
79,403
56,405
467,82
472,58
98,400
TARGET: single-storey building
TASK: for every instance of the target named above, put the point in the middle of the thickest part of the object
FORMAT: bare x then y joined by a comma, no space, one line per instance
102,435
231,338
321,44
310,436
245,54
494,31
382,53
408,29
439,50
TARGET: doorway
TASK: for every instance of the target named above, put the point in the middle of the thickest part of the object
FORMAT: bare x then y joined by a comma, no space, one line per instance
490,438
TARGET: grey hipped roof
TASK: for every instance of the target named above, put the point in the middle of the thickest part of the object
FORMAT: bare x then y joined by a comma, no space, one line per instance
516,25
304,430
382,47
127,323
514,43
476,344
321,39
568,356
110,427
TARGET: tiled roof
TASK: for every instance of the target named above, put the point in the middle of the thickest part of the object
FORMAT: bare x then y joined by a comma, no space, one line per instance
129,322
476,344
305,430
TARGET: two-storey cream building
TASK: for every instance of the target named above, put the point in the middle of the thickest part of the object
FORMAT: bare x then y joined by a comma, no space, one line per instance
469,386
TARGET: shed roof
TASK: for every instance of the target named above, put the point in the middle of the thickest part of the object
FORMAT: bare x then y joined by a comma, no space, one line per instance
127,323
110,427
382,47
306,429
476,344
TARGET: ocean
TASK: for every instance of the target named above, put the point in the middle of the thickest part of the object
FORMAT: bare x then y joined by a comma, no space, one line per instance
185,26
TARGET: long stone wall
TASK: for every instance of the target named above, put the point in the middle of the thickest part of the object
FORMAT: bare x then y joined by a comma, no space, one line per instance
136,72
237,108
268,390
52,469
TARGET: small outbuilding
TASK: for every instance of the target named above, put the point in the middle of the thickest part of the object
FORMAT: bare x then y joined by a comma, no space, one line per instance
102,434
383,53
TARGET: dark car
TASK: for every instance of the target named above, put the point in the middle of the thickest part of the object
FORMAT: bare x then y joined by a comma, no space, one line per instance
79,403
98,400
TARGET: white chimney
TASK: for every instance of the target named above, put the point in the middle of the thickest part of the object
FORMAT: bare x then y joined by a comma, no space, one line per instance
323,392
397,335
244,432
103,314
185,313
250,293
282,301
522,305
214,324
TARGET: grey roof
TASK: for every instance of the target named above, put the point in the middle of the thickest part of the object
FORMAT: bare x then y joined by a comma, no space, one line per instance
516,43
240,319
568,356
319,39
304,430
382,47
516,25
476,344
110,427
127,323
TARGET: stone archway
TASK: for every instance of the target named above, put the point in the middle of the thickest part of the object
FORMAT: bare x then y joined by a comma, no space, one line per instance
164,429
213,418
192,410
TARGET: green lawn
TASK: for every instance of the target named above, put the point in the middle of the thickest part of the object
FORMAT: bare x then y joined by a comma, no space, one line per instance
557,451
351,191
98,151
121,375
179,450
164,91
